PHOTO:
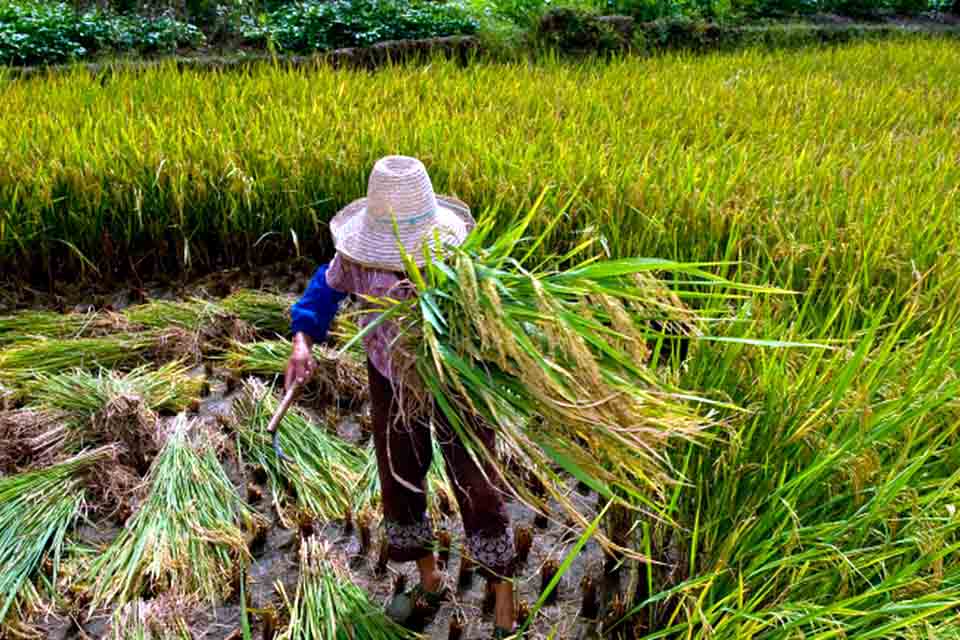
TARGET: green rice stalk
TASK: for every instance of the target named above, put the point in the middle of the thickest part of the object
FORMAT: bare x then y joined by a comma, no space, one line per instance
29,325
72,410
22,363
326,468
556,359
338,375
191,315
187,536
267,313
170,387
329,606
37,509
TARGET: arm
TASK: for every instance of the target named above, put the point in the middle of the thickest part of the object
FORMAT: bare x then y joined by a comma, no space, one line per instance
310,319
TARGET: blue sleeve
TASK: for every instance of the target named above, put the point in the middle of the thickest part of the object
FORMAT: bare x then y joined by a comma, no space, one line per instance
314,312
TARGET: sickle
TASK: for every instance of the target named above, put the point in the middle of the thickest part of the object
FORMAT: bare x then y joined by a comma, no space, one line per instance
273,429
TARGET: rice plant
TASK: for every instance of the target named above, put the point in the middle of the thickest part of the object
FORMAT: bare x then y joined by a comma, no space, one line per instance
325,468
337,376
37,509
28,325
698,161
23,362
72,410
187,536
170,387
330,606
267,313
244,312
556,360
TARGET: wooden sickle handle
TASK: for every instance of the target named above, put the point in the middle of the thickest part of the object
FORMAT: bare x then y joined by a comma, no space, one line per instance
282,409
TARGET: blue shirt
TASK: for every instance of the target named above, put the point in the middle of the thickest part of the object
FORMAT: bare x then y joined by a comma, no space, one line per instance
314,311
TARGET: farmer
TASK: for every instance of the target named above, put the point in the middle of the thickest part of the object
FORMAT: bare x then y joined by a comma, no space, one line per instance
401,208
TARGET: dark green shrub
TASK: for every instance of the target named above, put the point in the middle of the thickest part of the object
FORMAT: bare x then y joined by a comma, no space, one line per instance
35,33
316,25
577,30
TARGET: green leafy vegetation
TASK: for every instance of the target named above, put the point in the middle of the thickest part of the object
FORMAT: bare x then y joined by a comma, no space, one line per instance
311,25
41,32
821,499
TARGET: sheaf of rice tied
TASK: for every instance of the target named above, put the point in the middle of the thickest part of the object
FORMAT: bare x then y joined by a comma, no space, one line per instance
37,509
556,359
26,326
188,535
330,606
73,409
338,376
326,468
22,363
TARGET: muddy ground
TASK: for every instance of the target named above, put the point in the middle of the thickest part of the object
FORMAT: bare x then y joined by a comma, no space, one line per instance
275,561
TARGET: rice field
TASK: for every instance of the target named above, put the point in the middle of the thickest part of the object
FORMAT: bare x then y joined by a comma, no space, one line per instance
821,502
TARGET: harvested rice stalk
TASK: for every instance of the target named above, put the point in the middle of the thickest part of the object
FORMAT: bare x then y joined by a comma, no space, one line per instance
31,437
36,510
337,377
326,468
27,326
329,606
168,388
162,618
191,315
266,312
187,536
555,360
206,325
107,406
20,364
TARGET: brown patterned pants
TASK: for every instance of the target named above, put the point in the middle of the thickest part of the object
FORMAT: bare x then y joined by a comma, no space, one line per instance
404,451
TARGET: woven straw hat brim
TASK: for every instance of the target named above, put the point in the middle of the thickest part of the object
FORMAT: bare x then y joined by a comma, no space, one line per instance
363,241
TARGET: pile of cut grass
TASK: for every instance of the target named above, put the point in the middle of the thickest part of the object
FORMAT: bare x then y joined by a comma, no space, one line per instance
325,468
188,535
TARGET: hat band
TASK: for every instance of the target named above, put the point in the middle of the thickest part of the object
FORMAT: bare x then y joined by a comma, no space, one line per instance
388,222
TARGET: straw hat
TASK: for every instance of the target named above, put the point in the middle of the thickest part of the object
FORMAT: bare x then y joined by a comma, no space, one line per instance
400,188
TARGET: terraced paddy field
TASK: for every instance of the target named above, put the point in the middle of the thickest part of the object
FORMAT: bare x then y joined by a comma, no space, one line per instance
822,504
